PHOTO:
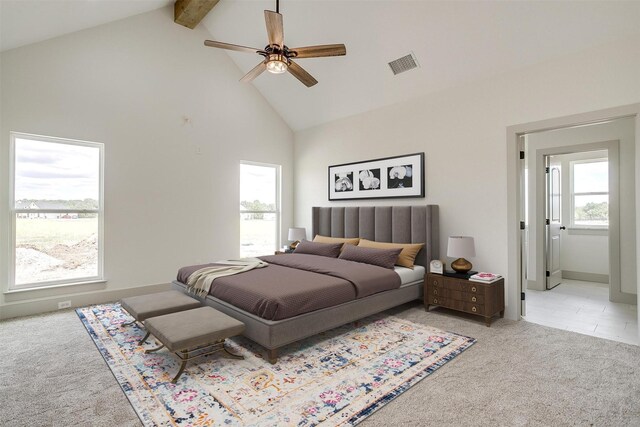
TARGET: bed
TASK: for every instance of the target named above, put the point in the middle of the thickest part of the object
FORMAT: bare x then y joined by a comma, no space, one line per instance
397,224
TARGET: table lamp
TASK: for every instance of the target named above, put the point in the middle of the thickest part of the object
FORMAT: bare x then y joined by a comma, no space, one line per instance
296,234
461,247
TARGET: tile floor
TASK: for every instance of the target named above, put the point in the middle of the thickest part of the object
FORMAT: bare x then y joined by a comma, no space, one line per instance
584,307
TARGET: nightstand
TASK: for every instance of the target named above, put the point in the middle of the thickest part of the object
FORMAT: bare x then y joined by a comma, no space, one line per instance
289,251
480,299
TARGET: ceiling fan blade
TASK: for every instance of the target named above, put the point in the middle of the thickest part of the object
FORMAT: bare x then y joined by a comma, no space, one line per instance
300,74
320,50
230,46
255,72
275,29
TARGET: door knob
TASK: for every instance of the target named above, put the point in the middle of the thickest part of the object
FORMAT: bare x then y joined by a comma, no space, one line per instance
562,227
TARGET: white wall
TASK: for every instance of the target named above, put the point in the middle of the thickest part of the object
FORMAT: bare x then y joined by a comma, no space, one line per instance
462,131
583,251
622,130
129,84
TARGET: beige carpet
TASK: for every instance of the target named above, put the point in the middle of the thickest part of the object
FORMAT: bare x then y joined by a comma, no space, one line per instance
518,373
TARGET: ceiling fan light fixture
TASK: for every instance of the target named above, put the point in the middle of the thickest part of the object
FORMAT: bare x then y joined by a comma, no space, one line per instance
277,64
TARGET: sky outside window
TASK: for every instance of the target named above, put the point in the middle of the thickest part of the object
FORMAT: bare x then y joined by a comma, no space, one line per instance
54,171
258,183
592,177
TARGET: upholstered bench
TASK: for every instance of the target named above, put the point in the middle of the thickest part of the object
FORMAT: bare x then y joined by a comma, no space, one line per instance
194,333
145,306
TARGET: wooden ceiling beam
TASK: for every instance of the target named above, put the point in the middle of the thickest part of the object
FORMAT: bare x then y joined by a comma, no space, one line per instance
189,13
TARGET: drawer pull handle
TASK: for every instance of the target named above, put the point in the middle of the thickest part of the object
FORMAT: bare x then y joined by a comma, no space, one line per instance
435,292
473,299
473,289
474,309
435,283
435,300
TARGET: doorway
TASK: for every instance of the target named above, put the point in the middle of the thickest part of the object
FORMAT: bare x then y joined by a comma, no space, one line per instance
574,275
577,217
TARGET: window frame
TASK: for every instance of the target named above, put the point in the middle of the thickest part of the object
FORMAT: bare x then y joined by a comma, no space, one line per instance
277,211
13,212
573,194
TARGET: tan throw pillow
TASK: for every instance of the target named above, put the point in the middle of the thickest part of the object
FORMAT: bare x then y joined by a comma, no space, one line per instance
407,256
325,239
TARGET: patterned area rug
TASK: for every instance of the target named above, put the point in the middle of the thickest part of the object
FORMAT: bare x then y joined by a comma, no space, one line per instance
336,378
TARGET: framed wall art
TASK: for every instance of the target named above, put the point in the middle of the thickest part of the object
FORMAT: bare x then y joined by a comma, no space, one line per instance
391,177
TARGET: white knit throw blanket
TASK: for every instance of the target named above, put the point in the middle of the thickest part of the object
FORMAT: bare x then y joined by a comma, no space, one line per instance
199,282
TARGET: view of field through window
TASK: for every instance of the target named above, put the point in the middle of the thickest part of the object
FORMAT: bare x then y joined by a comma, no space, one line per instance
50,249
57,188
591,193
258,210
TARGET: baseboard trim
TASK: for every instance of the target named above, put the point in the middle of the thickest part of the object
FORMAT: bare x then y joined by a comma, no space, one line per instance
44,305
624,298
587,277
533,285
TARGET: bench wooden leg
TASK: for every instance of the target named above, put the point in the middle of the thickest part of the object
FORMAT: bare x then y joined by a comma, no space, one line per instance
153,350
229,354
185,359
144,338
272,355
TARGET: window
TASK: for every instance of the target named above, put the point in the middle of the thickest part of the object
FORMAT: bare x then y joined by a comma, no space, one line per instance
259,209
56,211
590,193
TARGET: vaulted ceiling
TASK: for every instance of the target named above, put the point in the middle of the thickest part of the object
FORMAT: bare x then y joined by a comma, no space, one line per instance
455,42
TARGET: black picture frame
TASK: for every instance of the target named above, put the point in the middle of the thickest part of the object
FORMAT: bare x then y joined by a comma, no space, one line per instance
385,178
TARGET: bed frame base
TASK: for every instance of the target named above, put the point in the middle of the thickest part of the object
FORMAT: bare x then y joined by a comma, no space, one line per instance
273,334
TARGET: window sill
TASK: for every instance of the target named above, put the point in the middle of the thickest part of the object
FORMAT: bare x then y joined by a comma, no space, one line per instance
16,292
585,231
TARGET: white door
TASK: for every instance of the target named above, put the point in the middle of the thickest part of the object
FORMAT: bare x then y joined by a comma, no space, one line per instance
553,224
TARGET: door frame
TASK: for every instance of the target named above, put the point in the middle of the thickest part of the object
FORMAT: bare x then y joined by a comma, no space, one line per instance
613,153
514,280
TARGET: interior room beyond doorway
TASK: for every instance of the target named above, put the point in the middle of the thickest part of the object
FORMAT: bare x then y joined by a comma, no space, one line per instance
579,240
584,307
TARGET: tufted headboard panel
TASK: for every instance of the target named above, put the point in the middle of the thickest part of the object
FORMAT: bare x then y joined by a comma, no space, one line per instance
395,224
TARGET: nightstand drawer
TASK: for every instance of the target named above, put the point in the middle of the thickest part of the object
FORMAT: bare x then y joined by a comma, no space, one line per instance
466,296
470,307
448,303
436,300
472,288
444,302
438,291
435,281
452,284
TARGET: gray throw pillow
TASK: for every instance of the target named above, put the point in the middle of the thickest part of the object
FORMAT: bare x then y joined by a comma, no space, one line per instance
331,250
381,257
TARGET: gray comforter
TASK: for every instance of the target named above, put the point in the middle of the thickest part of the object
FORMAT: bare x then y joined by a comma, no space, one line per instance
294,284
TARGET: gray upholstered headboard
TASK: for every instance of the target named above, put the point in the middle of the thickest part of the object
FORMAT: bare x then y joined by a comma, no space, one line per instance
396,224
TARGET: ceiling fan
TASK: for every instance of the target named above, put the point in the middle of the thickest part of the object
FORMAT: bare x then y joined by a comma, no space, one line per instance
277,56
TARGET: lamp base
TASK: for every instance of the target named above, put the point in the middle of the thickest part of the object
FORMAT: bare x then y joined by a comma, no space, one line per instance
294,244
461,266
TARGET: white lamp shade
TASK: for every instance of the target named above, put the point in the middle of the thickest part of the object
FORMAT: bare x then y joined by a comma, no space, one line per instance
297,233
461,247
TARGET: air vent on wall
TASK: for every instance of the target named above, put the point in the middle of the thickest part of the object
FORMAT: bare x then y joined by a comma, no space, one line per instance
406,63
